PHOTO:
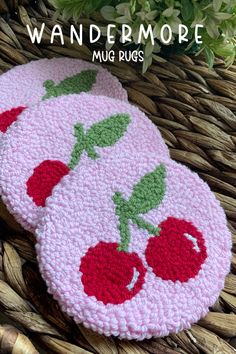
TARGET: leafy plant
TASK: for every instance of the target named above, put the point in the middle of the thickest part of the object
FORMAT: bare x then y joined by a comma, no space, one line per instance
74,8
218,18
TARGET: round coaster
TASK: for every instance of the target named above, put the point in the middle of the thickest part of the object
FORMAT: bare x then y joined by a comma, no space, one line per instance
134,247
60,134
39,80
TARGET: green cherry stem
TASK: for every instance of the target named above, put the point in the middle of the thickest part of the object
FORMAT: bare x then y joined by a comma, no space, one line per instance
124,215
125,235
91,152
142,224
104,133
123,222
79,146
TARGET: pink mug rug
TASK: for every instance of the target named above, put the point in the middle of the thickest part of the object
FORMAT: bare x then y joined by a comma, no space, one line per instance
134,246
60,134
26,85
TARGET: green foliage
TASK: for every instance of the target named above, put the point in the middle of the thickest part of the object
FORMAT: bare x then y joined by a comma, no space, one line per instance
187,10
74,8
217,16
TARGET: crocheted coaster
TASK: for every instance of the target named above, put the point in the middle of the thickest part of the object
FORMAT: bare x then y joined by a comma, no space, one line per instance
56,136
134,247
39,80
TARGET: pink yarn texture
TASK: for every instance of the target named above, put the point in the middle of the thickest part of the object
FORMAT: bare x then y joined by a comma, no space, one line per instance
46,132
81,221
24,84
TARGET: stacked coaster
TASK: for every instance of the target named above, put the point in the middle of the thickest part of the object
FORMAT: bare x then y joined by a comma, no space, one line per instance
130,243
40,80
62,134
134,246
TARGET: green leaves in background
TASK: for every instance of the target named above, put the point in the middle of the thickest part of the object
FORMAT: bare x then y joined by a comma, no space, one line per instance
218,18
187,9
210,56
74,8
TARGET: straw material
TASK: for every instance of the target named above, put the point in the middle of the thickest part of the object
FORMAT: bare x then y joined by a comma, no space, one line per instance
195,110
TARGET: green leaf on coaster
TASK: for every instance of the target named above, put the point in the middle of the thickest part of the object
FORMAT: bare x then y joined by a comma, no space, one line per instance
102,134
82,82
108,131
78,147
148,192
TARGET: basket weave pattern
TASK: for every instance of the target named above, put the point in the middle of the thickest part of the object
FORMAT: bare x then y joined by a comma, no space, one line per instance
195,109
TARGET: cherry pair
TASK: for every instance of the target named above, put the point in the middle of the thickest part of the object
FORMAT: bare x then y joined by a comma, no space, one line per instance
130,243
54,130
134,245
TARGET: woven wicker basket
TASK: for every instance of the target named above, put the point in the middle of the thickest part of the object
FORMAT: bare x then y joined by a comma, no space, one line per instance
195,109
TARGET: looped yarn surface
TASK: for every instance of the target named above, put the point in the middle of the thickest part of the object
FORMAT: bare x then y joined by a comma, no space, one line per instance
134,246
28,84
61,134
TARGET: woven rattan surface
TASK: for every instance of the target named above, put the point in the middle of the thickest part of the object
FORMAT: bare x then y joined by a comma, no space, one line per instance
195,109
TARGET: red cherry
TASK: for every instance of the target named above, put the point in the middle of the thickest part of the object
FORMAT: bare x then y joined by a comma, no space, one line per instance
45,177
178,253
9,117
112,276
